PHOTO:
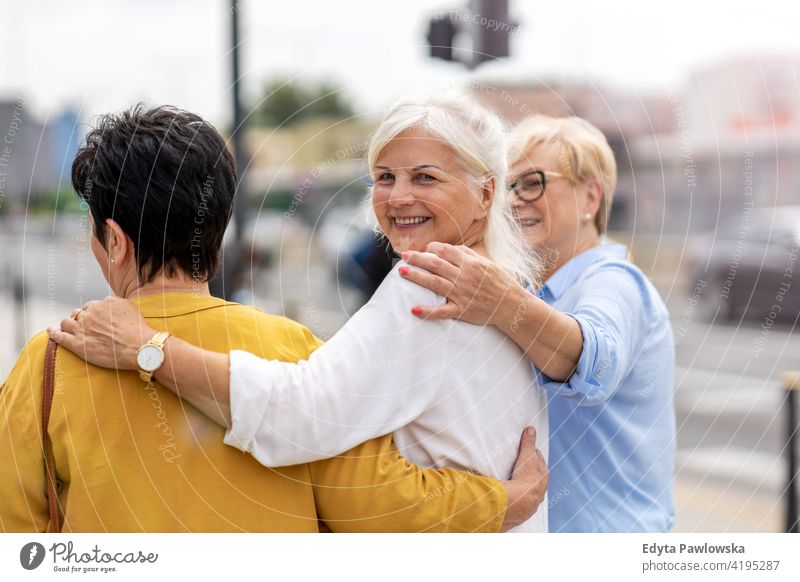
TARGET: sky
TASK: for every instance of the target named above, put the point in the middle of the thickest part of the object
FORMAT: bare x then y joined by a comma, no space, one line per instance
101,55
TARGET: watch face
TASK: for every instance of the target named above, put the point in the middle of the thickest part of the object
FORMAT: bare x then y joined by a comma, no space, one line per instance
149,358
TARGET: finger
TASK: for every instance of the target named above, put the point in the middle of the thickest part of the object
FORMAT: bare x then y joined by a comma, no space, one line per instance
88,305
437,284
527,451
69,325
447,252
446,311
64,340
468,251
434,264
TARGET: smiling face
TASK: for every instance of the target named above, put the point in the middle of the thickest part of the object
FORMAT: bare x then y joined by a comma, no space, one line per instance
423,193
557,222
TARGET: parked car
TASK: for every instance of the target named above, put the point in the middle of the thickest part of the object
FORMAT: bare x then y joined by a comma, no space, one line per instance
748,268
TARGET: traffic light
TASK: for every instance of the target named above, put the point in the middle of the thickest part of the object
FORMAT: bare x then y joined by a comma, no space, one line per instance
441,32
492,30
485,26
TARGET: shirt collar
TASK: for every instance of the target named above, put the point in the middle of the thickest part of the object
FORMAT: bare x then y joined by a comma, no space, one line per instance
569,272
176,303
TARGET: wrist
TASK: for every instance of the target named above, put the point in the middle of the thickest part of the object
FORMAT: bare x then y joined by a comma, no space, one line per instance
512,308
130,360
516,512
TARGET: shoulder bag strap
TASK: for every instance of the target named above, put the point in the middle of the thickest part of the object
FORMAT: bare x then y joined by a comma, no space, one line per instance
49,460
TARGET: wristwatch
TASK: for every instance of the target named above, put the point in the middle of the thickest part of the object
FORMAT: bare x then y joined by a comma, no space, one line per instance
150,356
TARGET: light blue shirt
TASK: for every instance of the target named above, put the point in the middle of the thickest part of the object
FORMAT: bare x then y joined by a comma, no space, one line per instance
612,424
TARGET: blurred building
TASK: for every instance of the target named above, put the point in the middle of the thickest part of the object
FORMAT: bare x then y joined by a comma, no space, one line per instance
735,146
35,157
727,140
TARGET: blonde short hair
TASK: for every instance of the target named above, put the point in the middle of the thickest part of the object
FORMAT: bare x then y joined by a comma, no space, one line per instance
583,152
478,138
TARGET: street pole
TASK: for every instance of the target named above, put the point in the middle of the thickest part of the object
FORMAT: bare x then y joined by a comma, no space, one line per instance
240,156
225,282
791,386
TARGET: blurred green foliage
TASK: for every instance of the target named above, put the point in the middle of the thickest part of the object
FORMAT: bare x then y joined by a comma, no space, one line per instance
60,200
286,103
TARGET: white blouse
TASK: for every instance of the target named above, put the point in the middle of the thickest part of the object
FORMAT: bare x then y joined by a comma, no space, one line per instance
454,394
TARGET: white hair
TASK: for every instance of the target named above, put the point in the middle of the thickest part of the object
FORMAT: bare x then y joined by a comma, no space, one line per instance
478,138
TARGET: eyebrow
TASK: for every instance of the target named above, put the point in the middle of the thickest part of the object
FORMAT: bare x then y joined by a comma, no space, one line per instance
414,169
525,172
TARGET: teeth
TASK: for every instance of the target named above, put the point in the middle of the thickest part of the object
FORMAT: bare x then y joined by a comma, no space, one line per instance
528,221
413,220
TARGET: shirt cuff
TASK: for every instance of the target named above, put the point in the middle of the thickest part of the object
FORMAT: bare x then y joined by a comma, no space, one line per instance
250,391
585,383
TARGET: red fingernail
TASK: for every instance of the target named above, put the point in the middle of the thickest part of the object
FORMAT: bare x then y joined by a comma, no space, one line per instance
416,310
403,271
404,254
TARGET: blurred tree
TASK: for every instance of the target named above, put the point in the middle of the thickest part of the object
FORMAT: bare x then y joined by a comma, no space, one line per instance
286,102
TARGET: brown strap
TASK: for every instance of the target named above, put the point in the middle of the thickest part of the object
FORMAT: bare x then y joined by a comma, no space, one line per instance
49,460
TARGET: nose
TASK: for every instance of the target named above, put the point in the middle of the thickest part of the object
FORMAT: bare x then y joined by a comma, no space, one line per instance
402,194
516,201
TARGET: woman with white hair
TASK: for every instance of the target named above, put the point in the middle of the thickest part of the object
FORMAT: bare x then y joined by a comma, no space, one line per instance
452,394
597,332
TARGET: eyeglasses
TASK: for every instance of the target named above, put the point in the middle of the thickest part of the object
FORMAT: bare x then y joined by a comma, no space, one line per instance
530,186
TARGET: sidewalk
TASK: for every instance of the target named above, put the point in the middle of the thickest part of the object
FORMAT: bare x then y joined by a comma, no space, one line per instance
709,506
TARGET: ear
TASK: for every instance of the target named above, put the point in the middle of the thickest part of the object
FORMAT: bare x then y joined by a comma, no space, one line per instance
487,194
594,197
118,244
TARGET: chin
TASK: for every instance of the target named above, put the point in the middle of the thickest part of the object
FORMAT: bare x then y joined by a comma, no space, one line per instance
535,239
402,243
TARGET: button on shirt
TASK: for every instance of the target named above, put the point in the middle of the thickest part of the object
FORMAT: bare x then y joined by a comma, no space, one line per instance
612,424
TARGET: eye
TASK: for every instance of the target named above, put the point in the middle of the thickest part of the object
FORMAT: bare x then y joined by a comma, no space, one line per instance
531,183
385,177
425,178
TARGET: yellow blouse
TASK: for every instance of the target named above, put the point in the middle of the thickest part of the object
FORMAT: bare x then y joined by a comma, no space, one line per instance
137,459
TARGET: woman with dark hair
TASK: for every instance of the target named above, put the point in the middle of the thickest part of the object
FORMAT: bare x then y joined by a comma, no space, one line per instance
130,455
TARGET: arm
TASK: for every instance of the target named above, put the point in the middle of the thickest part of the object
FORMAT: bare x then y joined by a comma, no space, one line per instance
372,488
480,292
582,355
109,333
378,373
23,503
614,312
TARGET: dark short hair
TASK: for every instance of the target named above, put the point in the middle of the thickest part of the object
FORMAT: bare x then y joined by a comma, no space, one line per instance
168,179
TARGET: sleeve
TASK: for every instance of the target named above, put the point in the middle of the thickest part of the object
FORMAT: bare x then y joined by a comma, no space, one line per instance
372,488
23,502
614,315
378,373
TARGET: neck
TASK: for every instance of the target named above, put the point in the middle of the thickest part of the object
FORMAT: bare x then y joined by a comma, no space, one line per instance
475,238
163,284
581,246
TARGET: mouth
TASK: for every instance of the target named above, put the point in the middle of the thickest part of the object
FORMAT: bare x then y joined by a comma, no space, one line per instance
526,222
409,221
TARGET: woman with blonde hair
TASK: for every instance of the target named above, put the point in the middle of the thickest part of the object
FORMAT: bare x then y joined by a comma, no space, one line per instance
452,394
